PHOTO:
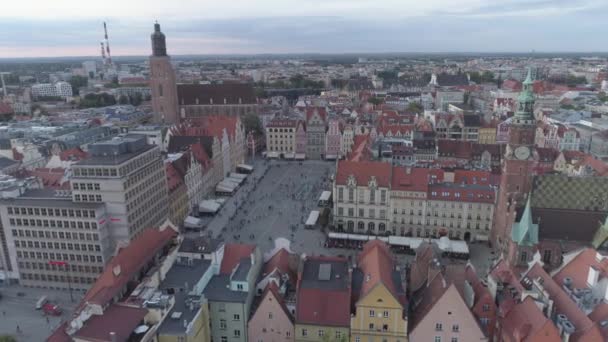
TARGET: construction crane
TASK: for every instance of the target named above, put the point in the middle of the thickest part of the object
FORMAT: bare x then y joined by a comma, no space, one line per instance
4,84
105,31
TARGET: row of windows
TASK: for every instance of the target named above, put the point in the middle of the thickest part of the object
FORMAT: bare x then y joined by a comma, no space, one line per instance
361,195
52,223
86,186
371,212
46,256
49,267
57,245
87,198
50,212
55,235
321,333
157,175
96,172
57,278
443,215
280,130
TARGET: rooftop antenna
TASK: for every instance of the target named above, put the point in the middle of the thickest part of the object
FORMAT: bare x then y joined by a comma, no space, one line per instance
105,31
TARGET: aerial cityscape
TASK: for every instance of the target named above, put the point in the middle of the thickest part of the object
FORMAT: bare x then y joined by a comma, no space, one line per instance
166,189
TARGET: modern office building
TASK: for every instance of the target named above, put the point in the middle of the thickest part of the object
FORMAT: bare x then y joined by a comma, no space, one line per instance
52,241
127,175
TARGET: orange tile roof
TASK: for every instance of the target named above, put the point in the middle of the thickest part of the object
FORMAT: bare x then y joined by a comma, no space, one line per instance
376,263
282,262
526,323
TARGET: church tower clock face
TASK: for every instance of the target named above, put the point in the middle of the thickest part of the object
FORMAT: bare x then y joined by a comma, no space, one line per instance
522,153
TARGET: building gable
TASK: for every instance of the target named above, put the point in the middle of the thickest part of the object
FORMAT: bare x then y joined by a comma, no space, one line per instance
380,297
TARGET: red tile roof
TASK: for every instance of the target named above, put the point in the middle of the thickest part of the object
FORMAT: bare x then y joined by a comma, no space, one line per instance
233,253
414,179
526,323
363,171
282,261
311,110
127,263
578,268
455,149
73,154
120,319
376,263
51,178
59,334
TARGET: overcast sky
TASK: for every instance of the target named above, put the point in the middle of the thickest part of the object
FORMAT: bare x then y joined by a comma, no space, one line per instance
35,28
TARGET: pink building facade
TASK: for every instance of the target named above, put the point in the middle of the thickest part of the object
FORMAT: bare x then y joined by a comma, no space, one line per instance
333,139
271,321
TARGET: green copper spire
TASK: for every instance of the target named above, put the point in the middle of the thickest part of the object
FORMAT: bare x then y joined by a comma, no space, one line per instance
525,101
525,232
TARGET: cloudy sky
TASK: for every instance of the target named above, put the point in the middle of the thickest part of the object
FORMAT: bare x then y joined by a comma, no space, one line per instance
35,28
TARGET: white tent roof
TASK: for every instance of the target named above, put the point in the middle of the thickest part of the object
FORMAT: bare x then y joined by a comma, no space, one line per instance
312,218
192,221
325,195
238,175
209,206
245,166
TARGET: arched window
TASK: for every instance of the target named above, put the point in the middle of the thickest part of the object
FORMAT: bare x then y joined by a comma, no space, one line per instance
371,226
382,227
361,225
350,225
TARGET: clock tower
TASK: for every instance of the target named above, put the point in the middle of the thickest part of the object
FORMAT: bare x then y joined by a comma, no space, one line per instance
517,167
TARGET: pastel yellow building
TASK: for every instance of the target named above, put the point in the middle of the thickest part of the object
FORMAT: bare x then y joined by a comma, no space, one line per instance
380,299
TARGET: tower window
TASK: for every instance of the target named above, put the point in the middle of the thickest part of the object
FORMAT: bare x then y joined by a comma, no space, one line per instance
160,90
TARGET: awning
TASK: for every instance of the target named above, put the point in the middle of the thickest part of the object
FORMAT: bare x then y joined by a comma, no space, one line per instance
300,156
341,236
481,237
245,167
208,206
325,195
331,156
312,218
237,175
272,155
358,237
237,181
193,222
289,155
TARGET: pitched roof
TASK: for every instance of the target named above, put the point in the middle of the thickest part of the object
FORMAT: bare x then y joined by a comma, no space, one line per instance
524,231
455,149
233,253
281,261
128,262
377,264
363,171
119,319
585,328
310,111
324,299
578,268
216,94
526,323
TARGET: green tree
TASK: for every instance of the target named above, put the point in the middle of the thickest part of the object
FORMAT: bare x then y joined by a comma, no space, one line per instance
136,99
78,82
7,338
375,100
414,107
252,123
123,100
602,96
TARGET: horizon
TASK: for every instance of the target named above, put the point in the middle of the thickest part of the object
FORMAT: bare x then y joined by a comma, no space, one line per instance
34,29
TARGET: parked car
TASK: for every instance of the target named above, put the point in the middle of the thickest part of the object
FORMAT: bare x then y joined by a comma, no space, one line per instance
52,309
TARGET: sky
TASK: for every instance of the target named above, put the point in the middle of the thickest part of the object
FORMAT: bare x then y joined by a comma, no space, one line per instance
42,28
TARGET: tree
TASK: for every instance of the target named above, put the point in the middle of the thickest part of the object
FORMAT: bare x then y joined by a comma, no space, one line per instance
252,123
375,100
136,99
123,100
415,107
7,338
78,82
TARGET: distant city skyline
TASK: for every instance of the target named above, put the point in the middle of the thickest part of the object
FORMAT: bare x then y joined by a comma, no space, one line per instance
32,28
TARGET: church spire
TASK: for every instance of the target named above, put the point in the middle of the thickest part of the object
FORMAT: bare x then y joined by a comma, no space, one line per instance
159,46
525,100
525,232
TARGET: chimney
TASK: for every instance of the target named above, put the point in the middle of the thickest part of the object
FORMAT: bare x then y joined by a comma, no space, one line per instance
185,323
592,276
112,336
225,101
116,270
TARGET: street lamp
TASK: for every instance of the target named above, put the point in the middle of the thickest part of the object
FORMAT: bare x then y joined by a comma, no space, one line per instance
67,272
